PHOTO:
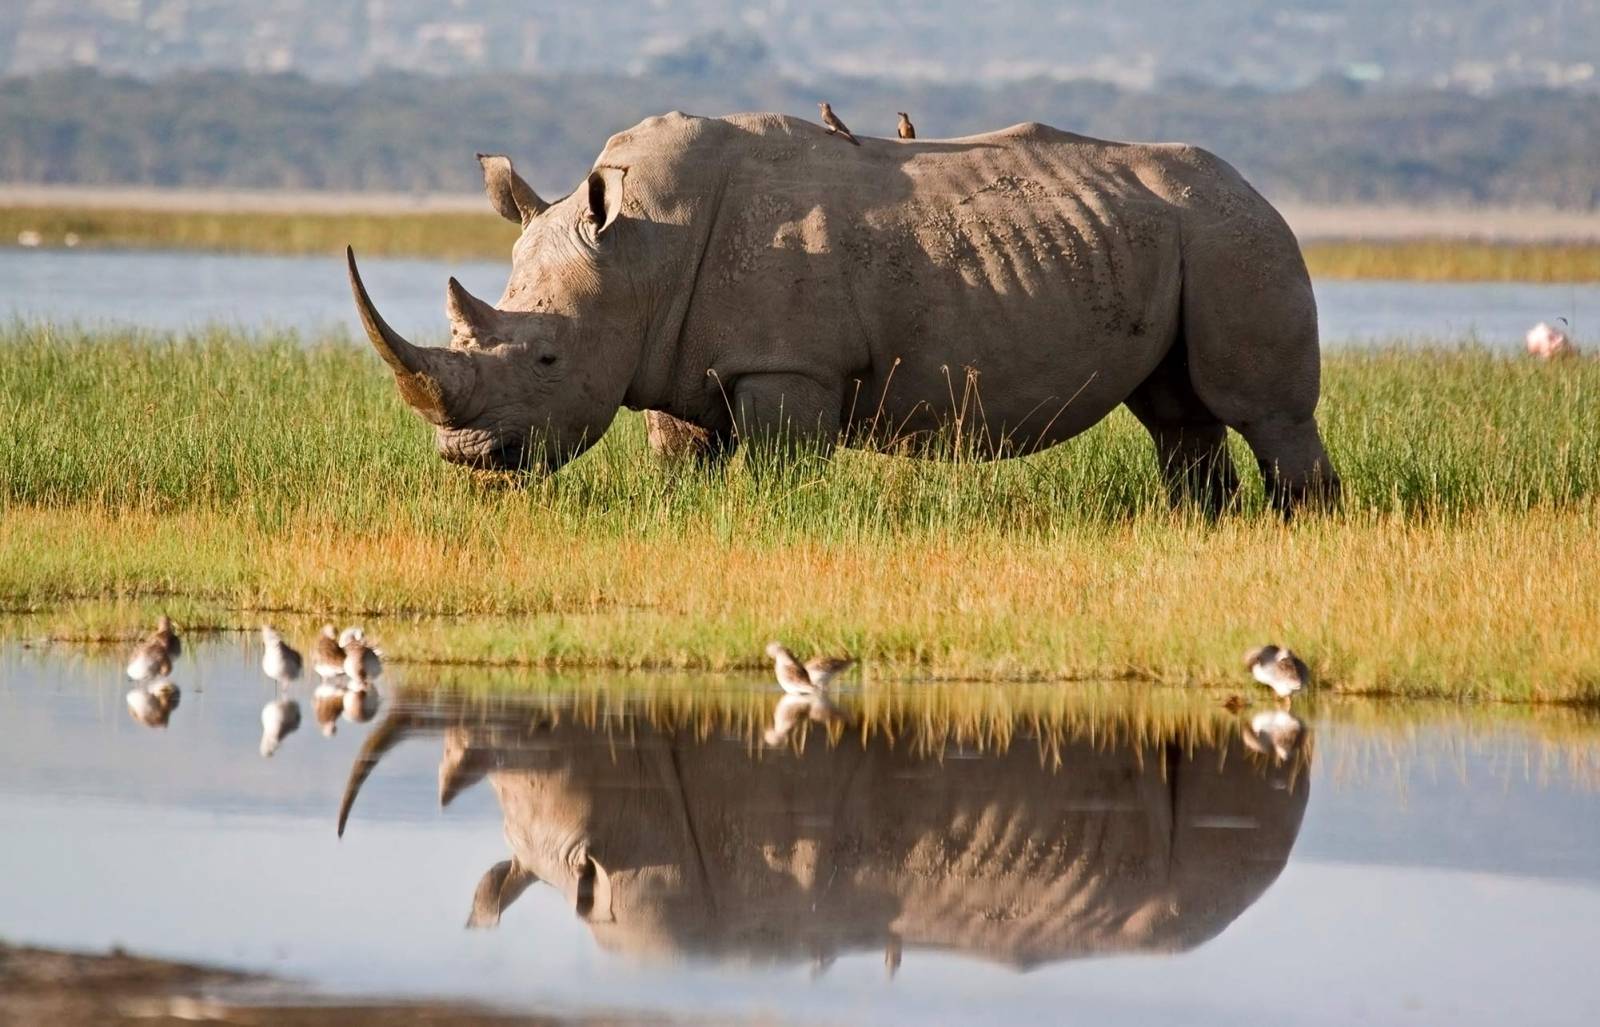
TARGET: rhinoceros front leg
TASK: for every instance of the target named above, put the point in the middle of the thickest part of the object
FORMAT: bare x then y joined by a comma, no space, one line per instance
784,416
673,440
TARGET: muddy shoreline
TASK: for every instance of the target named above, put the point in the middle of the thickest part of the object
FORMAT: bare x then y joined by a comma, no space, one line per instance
40,985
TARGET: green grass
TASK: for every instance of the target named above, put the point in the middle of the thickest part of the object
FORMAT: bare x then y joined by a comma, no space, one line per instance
221,476
467,235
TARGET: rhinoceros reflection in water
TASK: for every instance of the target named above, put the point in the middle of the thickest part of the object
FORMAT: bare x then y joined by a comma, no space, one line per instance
669,842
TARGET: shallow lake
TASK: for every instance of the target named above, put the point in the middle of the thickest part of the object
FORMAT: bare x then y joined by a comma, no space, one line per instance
170,290
707,852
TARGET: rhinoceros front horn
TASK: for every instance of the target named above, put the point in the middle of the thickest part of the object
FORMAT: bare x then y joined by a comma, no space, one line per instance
433,381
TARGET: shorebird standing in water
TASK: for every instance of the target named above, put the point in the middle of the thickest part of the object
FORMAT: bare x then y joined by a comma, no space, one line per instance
327,655
809,679
1278,669
362,663
281,661
152,659
906,130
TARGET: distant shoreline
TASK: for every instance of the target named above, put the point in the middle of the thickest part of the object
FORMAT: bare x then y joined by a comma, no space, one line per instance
1310,221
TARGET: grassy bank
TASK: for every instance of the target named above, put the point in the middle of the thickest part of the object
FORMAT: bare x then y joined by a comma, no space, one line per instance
461,235
220,477
446,235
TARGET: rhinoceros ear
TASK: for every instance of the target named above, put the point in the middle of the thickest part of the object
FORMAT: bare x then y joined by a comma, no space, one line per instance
605,197
511,197
497,890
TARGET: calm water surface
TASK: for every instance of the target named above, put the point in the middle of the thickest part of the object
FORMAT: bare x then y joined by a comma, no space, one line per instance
1317,871
185,290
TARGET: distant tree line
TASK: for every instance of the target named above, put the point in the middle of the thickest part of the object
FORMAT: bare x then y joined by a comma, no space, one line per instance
1334,141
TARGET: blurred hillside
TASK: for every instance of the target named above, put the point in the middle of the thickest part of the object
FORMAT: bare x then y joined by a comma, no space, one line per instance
1333,141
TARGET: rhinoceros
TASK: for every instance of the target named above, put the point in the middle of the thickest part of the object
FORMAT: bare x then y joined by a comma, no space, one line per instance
754,279
669,841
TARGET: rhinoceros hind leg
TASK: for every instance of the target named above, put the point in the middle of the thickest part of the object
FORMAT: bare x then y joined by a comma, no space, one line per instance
1294,465
1191,443
784,416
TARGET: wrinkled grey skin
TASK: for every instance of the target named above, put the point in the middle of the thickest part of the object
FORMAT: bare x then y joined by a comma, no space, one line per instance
685,842
757,280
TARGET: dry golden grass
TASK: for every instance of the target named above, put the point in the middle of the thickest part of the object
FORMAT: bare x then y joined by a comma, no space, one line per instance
1492,605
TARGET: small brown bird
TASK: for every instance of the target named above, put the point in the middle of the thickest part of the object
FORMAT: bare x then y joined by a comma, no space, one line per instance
362,662
906,129
327,655
834,125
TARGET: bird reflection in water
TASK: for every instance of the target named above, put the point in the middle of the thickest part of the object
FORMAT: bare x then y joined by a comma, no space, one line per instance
1276,734
669,839
794,710
152,705
280,718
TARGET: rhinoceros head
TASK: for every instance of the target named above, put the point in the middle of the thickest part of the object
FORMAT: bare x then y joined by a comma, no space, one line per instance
535,380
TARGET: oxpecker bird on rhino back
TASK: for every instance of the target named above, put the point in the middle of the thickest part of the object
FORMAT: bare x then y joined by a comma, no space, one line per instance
751,278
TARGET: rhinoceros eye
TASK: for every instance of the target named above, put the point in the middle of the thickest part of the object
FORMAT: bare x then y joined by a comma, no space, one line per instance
547,359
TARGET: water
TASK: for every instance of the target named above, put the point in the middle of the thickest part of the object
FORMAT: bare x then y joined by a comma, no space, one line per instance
184,290
1437,869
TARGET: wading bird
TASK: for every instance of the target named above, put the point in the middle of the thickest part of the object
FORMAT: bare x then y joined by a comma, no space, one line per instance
362,663
809,679
1278,669
1547,342
327,655
906,129
152,659
281,661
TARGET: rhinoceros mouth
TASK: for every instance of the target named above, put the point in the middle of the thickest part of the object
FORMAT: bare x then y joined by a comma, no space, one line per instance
489,454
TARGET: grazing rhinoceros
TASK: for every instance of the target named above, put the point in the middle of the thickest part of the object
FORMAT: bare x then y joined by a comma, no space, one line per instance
683,841
754,278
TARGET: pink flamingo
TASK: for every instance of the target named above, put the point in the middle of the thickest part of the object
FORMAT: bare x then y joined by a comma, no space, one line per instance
1548,342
